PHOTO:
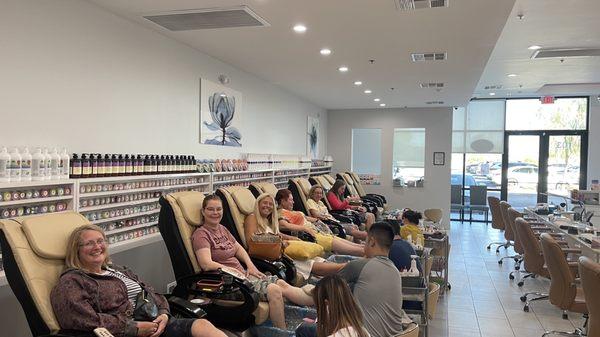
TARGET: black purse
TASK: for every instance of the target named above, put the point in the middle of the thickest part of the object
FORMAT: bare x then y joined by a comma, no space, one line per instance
145,307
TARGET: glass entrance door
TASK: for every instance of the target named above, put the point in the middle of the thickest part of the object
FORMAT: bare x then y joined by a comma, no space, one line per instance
564,169
521,171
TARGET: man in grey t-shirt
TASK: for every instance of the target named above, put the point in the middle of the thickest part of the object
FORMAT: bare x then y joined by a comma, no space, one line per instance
376,284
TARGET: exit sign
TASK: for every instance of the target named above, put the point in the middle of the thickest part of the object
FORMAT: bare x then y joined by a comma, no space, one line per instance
547,99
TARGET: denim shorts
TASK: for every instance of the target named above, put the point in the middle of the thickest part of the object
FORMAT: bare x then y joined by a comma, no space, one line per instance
178,327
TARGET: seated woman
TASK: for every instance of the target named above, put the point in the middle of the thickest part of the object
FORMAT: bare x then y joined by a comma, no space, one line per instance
215,247
338,314
93,293
318,210
410,224
336,199
265,220
296,221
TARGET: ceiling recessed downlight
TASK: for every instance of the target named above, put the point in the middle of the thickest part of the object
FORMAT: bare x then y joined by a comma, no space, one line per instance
325,51
512,75
492,94
357,83
534,47
377,99
300,28
382,104
343,69
368,91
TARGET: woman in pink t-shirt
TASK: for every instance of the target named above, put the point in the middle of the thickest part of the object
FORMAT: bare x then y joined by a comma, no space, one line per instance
215,248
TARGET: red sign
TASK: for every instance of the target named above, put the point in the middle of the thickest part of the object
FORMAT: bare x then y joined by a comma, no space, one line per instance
547,99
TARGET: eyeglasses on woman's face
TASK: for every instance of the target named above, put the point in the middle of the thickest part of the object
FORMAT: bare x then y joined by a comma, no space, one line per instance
92,243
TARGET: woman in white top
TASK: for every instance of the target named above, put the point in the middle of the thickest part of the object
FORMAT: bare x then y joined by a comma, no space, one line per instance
317,209
338,315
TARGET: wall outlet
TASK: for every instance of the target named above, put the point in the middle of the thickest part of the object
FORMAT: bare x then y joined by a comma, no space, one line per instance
171,286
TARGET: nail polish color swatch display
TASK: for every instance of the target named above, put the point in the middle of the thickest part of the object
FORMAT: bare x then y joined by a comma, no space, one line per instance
95,165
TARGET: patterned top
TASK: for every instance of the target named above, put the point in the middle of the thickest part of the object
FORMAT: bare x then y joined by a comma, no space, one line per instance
133,288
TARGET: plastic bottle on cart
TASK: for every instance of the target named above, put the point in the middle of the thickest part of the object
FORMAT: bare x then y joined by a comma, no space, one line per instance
4,164
48,162
15,165
55,164
413,271
64,164
26,165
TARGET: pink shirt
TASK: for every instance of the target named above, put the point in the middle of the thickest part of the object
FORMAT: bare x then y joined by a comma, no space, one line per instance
336,203
221,244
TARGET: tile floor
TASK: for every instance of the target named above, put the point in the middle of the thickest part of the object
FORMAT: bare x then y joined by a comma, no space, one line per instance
483,301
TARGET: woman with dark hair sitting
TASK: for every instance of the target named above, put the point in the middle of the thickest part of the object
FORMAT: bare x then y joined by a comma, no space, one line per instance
338,202
410,225
338,314
94,293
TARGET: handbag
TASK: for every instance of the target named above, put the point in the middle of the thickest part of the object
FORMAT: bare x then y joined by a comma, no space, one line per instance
145,307
265,246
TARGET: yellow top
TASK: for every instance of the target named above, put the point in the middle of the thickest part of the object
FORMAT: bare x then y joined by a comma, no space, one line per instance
411,230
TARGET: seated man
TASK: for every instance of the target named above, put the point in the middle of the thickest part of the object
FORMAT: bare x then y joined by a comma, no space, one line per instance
401,250
376,284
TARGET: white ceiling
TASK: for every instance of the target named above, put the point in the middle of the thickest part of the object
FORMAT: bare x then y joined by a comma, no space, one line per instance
550,24
356,31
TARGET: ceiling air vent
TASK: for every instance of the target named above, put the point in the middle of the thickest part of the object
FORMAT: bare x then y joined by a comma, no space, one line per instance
210,18
493,87
564,53
434,56
432,85
434,102
408,5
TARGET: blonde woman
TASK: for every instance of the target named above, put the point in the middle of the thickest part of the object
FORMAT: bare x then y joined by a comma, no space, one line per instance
94,293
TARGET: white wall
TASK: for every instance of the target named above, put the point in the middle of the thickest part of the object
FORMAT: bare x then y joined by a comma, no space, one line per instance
76,75
438,124
594,145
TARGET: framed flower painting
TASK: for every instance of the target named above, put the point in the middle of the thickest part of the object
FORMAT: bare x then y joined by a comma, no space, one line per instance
220,109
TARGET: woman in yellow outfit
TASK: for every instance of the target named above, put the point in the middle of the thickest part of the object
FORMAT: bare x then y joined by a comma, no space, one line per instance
296,221
410,225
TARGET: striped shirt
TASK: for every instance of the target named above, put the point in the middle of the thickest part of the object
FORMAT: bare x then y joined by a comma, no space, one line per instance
133,288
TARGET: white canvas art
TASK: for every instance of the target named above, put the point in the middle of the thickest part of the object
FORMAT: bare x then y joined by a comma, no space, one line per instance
313,136
220,109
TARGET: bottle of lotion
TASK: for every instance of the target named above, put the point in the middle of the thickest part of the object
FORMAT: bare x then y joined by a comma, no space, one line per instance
38,165
15,165
48,162
64,164
4,166
55,164
76,167
26,165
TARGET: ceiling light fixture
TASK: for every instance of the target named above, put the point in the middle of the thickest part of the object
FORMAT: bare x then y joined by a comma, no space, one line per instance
325,51
512,75
300,28
357,83
377,100
534,47
382,104
343,69
368,91
492,94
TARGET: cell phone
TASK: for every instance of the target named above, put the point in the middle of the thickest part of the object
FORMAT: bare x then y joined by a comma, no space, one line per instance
102,332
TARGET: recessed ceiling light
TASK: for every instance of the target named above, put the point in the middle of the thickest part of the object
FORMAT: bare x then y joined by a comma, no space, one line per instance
300,28
382,104
492,94
377,99
512,75
357,83
534,47
368,91
325,51
343,69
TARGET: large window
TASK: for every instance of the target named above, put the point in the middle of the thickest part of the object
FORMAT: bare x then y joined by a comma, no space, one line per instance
366,154
531,114
409,157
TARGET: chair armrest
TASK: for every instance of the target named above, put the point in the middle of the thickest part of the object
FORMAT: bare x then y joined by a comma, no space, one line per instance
185,308
571,250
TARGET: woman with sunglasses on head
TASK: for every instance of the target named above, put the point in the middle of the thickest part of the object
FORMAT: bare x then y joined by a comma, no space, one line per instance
92,293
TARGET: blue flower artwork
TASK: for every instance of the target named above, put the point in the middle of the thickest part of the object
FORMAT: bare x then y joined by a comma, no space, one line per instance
218,117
